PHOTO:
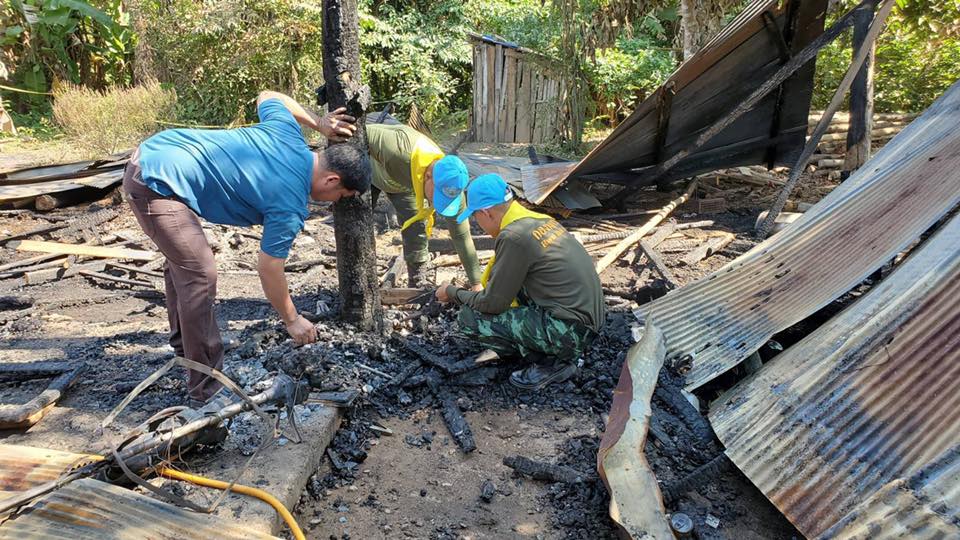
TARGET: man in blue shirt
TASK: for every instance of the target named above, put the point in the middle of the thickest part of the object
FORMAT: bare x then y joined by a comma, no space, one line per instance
260,175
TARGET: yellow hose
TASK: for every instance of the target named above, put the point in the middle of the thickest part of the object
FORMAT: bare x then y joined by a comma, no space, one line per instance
237,488
244,490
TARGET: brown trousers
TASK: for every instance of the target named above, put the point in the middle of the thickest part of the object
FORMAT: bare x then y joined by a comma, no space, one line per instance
190,274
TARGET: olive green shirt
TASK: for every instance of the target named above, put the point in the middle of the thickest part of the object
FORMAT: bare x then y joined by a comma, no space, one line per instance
390,150
544,261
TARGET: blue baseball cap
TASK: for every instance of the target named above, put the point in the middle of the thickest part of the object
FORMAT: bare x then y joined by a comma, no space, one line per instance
450,178
485,191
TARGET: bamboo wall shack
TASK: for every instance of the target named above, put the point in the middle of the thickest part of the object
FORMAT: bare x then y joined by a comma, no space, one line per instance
516,94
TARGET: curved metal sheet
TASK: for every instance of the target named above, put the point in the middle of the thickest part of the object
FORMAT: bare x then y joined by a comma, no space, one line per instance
24,467
909,185
838,429
92,510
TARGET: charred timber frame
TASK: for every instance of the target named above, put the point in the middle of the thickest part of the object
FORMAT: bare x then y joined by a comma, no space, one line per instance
797,62
784,40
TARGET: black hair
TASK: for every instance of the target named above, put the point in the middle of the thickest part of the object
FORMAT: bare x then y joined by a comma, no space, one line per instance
351,164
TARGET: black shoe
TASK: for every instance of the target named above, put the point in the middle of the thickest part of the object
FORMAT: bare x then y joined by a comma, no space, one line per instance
538,376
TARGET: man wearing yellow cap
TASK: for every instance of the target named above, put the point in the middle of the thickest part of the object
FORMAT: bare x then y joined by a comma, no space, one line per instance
420,180
542,298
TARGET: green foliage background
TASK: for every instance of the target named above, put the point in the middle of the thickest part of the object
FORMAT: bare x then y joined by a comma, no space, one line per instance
917,56
218,54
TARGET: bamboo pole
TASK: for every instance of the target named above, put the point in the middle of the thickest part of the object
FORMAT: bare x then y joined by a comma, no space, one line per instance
618,250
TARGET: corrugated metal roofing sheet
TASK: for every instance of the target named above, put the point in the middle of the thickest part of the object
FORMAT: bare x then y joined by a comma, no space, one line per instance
23,467
927,505
855,430
91,509
910,184
94,510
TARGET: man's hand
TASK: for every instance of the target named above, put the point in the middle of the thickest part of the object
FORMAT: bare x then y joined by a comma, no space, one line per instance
337,126
476,288
442,292
275,288
302,331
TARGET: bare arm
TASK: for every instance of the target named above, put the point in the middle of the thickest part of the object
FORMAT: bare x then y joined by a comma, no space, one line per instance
335,125
274,284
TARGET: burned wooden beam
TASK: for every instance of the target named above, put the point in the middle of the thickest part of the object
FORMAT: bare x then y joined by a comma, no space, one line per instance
784,41
861,100
448,367
664,105
115,279
29,413
456,422
15,302
353,216
708,248
25,371
548,472
61,199
44,229
654,257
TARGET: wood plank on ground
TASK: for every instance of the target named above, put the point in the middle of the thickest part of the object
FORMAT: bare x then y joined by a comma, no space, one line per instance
29,191
391,296
707,249
84,250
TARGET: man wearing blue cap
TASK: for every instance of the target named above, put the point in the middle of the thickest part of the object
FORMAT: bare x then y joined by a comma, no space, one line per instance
420,180
542,298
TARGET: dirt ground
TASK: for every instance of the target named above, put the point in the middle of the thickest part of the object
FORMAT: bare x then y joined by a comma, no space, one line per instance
415,482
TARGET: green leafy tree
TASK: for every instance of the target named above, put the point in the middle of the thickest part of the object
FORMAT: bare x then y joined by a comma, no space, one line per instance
917,56
68,40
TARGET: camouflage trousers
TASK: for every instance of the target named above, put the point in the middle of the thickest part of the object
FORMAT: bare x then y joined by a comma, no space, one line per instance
527,329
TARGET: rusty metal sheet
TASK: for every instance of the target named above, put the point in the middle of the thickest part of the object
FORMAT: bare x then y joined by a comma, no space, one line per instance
923,506
703,90
24,467
878,212
94,510
855,430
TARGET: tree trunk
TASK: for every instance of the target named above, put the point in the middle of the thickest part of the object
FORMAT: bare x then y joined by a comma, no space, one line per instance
700,21
861,98
353,216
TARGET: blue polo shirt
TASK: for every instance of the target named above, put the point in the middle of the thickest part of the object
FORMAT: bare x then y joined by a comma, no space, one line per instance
258,175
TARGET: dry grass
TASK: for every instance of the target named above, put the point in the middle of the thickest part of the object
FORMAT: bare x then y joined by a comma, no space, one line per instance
104,123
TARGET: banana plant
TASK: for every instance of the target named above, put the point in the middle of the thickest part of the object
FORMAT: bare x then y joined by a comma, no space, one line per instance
70,40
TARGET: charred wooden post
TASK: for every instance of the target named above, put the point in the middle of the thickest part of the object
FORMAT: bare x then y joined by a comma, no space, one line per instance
861,96
814,139
353,216
796,62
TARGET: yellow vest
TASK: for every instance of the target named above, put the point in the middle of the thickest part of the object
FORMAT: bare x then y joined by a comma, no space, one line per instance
515,212
424,153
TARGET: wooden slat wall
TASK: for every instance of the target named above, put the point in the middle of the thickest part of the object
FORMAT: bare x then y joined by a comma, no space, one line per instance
524,115
514,98
489,135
